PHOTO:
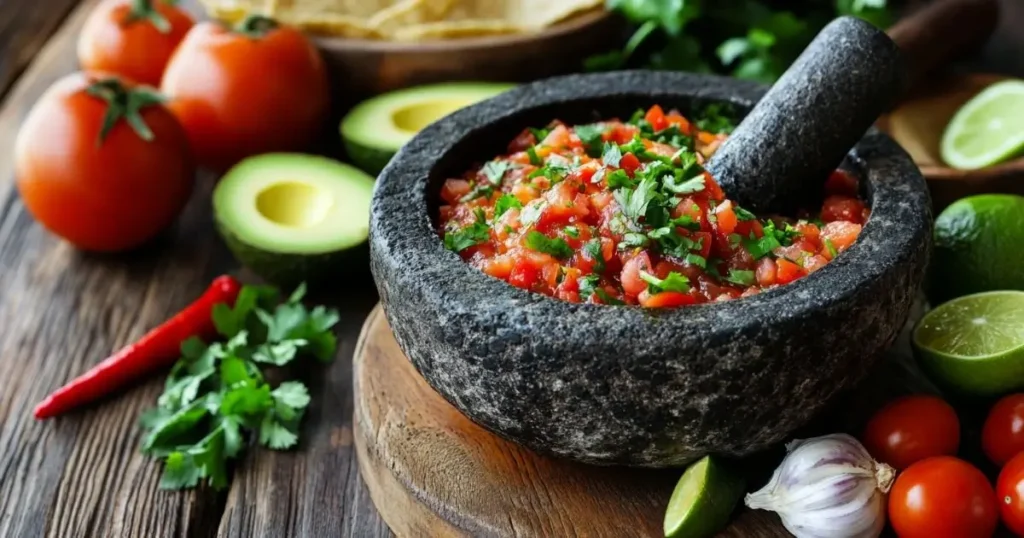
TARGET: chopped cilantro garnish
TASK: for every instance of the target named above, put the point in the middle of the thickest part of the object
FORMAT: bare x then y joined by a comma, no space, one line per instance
591,135
535,160
638,117
689,186
605,298
696,259
712,267
784,236
672,282
632,240
506,202
635,146
495,171
599,175
474,234
587,285
617,179
831,248
572,231
741,277
540,134
717,118
672,136
593,251
743,214
554,246
763,246
735,239
634,203
553,172
687,222
612,155
672,243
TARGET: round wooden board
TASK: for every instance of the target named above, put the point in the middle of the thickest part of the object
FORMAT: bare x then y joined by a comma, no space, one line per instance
433,472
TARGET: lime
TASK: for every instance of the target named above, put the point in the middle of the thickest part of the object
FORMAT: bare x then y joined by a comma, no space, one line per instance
978,247
703,500
975,344
988,129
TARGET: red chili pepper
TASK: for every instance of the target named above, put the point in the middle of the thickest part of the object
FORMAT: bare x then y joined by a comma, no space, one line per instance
159,348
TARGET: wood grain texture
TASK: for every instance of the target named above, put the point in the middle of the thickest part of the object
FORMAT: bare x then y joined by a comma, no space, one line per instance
61,311
433,472
25,26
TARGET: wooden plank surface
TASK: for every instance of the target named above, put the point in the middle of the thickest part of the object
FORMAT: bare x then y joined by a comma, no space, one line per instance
61,311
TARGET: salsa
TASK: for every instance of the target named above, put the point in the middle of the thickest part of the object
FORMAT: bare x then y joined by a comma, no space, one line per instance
624,213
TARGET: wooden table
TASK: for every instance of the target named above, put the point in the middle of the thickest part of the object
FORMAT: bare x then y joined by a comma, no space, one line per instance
61,311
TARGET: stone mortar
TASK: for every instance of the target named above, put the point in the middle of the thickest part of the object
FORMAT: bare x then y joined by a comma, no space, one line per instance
625,385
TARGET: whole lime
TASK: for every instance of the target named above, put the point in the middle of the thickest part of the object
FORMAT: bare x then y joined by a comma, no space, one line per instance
979,246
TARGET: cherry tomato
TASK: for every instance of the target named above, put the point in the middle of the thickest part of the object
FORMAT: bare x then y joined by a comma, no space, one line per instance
1010,494
1002,436
257,88
132,38
109,191
911,429
942,497
837,207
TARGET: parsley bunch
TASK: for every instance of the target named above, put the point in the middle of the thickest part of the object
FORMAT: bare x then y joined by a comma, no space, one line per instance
750,39
216,396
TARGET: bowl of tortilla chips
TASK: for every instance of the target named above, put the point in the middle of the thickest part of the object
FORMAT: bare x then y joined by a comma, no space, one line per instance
374,46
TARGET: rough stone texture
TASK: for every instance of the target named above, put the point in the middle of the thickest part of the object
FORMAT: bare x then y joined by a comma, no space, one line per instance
811,117
623,385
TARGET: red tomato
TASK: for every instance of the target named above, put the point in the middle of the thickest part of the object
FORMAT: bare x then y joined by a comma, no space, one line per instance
1002,437
912,428
712,189
840,182
667,299
942,497
787,271
242,93
132,38
843,208
1010,494
841,234
107,195
630,277
656,117
766,272
629,163
726,217
524,274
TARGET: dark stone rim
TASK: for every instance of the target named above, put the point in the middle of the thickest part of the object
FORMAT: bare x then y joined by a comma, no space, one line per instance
889,172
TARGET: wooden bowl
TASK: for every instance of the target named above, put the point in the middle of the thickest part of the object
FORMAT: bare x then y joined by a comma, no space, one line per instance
362,67
917,125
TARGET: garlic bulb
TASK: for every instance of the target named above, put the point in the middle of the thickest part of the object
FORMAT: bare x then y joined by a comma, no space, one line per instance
827,487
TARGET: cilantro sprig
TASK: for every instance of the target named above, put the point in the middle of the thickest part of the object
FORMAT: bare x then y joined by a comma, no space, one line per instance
217,399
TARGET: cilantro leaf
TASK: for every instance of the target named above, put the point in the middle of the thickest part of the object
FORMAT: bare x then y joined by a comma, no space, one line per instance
587,285
672,282
742,214
554,246
495,171
633,240
180,472
694,259
594,251
606,298
471,235
276,435
634,203
591,135
612,155
717,117
689,186
531,213
535,159
741,277
539,134
554,172
506,202
762,246
572,231
618,179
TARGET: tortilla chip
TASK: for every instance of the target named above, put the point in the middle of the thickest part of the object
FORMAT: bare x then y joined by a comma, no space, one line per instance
453,30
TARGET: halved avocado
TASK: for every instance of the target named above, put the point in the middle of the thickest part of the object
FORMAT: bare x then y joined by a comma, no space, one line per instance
293,217
375,129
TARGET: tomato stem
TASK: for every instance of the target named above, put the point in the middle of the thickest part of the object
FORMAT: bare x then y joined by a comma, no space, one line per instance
124,103
256,26
144,10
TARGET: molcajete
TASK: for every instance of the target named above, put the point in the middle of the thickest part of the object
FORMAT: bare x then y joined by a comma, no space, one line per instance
626,385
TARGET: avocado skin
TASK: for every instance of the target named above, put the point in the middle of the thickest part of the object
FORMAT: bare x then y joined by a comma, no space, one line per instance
287,270
369,160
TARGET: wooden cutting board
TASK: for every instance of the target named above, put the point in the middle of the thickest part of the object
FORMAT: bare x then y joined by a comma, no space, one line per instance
433,472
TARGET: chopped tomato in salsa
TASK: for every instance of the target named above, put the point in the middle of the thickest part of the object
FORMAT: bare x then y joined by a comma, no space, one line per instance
624,213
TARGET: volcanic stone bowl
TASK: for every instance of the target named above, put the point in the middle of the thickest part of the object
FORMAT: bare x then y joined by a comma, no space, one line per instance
625,385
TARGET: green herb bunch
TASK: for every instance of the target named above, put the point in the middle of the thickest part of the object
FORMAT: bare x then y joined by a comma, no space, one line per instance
750,39
216,398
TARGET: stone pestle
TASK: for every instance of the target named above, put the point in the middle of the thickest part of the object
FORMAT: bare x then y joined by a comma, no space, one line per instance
778,157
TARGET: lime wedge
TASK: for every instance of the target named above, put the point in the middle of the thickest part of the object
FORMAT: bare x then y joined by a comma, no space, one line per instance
975,343
703,500
988,129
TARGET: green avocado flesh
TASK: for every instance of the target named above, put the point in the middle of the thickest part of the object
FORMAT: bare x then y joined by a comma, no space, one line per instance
375,129
292,217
